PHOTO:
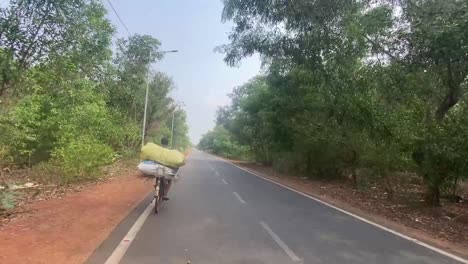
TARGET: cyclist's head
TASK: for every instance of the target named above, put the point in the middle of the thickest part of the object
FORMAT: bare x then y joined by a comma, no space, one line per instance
164,142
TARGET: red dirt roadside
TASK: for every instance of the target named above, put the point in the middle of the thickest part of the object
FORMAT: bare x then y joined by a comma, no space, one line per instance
68,229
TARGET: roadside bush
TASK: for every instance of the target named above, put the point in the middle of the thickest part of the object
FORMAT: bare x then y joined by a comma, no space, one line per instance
19,128
287,162
68,103
441,157
7,199
81,159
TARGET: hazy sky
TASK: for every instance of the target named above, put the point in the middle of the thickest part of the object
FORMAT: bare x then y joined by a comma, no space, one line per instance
194,28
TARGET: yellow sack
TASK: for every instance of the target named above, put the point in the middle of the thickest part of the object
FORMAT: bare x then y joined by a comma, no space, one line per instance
164,156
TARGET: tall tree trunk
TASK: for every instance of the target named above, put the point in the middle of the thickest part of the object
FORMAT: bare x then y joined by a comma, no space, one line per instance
453,94
2,88
389,186
433,195
450,100
266,153
455,185
354,179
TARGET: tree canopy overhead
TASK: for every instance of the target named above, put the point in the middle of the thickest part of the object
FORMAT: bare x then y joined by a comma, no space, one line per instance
354,84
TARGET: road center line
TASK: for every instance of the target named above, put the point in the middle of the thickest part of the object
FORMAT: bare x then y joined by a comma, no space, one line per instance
120,250
209,164
280,243
239,198
224,181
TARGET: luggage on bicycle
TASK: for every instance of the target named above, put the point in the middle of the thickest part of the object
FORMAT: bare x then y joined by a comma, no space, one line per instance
148,168
152,169
164,156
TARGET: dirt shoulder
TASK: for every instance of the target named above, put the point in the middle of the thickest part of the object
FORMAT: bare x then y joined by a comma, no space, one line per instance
67,228
440,227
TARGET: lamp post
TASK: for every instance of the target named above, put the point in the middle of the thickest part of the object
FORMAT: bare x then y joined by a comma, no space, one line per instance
147,91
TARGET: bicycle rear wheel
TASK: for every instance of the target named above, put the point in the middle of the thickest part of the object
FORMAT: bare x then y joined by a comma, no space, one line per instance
160,192
157,195
156,205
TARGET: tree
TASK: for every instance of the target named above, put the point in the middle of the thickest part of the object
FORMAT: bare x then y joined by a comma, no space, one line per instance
36,31
159,102
248,117
68,105
219,141
180,138
353,83
436,35
132,60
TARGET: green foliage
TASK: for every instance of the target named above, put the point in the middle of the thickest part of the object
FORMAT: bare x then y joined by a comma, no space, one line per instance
351,85
81,158
180,138
7,199
131,63
66,103
33,32
219,141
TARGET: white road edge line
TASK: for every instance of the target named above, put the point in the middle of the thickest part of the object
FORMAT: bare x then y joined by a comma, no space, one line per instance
122,248
280,243
438,250
239,198
224,181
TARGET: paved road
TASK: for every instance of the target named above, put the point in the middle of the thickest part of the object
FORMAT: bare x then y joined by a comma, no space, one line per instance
220,214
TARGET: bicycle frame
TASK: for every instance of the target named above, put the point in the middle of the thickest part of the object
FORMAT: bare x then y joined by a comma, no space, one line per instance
159,189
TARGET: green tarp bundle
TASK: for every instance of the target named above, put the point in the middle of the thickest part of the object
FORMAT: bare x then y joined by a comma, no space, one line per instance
164,156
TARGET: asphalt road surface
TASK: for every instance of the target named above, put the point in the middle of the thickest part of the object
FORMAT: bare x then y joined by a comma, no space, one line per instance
220,214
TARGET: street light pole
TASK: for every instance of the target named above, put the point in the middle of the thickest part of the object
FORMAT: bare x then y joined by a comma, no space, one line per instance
147,91
146,103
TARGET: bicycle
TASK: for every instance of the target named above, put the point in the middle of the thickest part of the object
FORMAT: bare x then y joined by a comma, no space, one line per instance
161,181
158,195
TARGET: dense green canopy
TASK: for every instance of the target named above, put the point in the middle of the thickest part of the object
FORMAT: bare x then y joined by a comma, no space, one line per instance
67,101
352,84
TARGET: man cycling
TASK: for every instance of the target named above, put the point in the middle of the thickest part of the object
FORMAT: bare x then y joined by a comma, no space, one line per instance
169,171
159,160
